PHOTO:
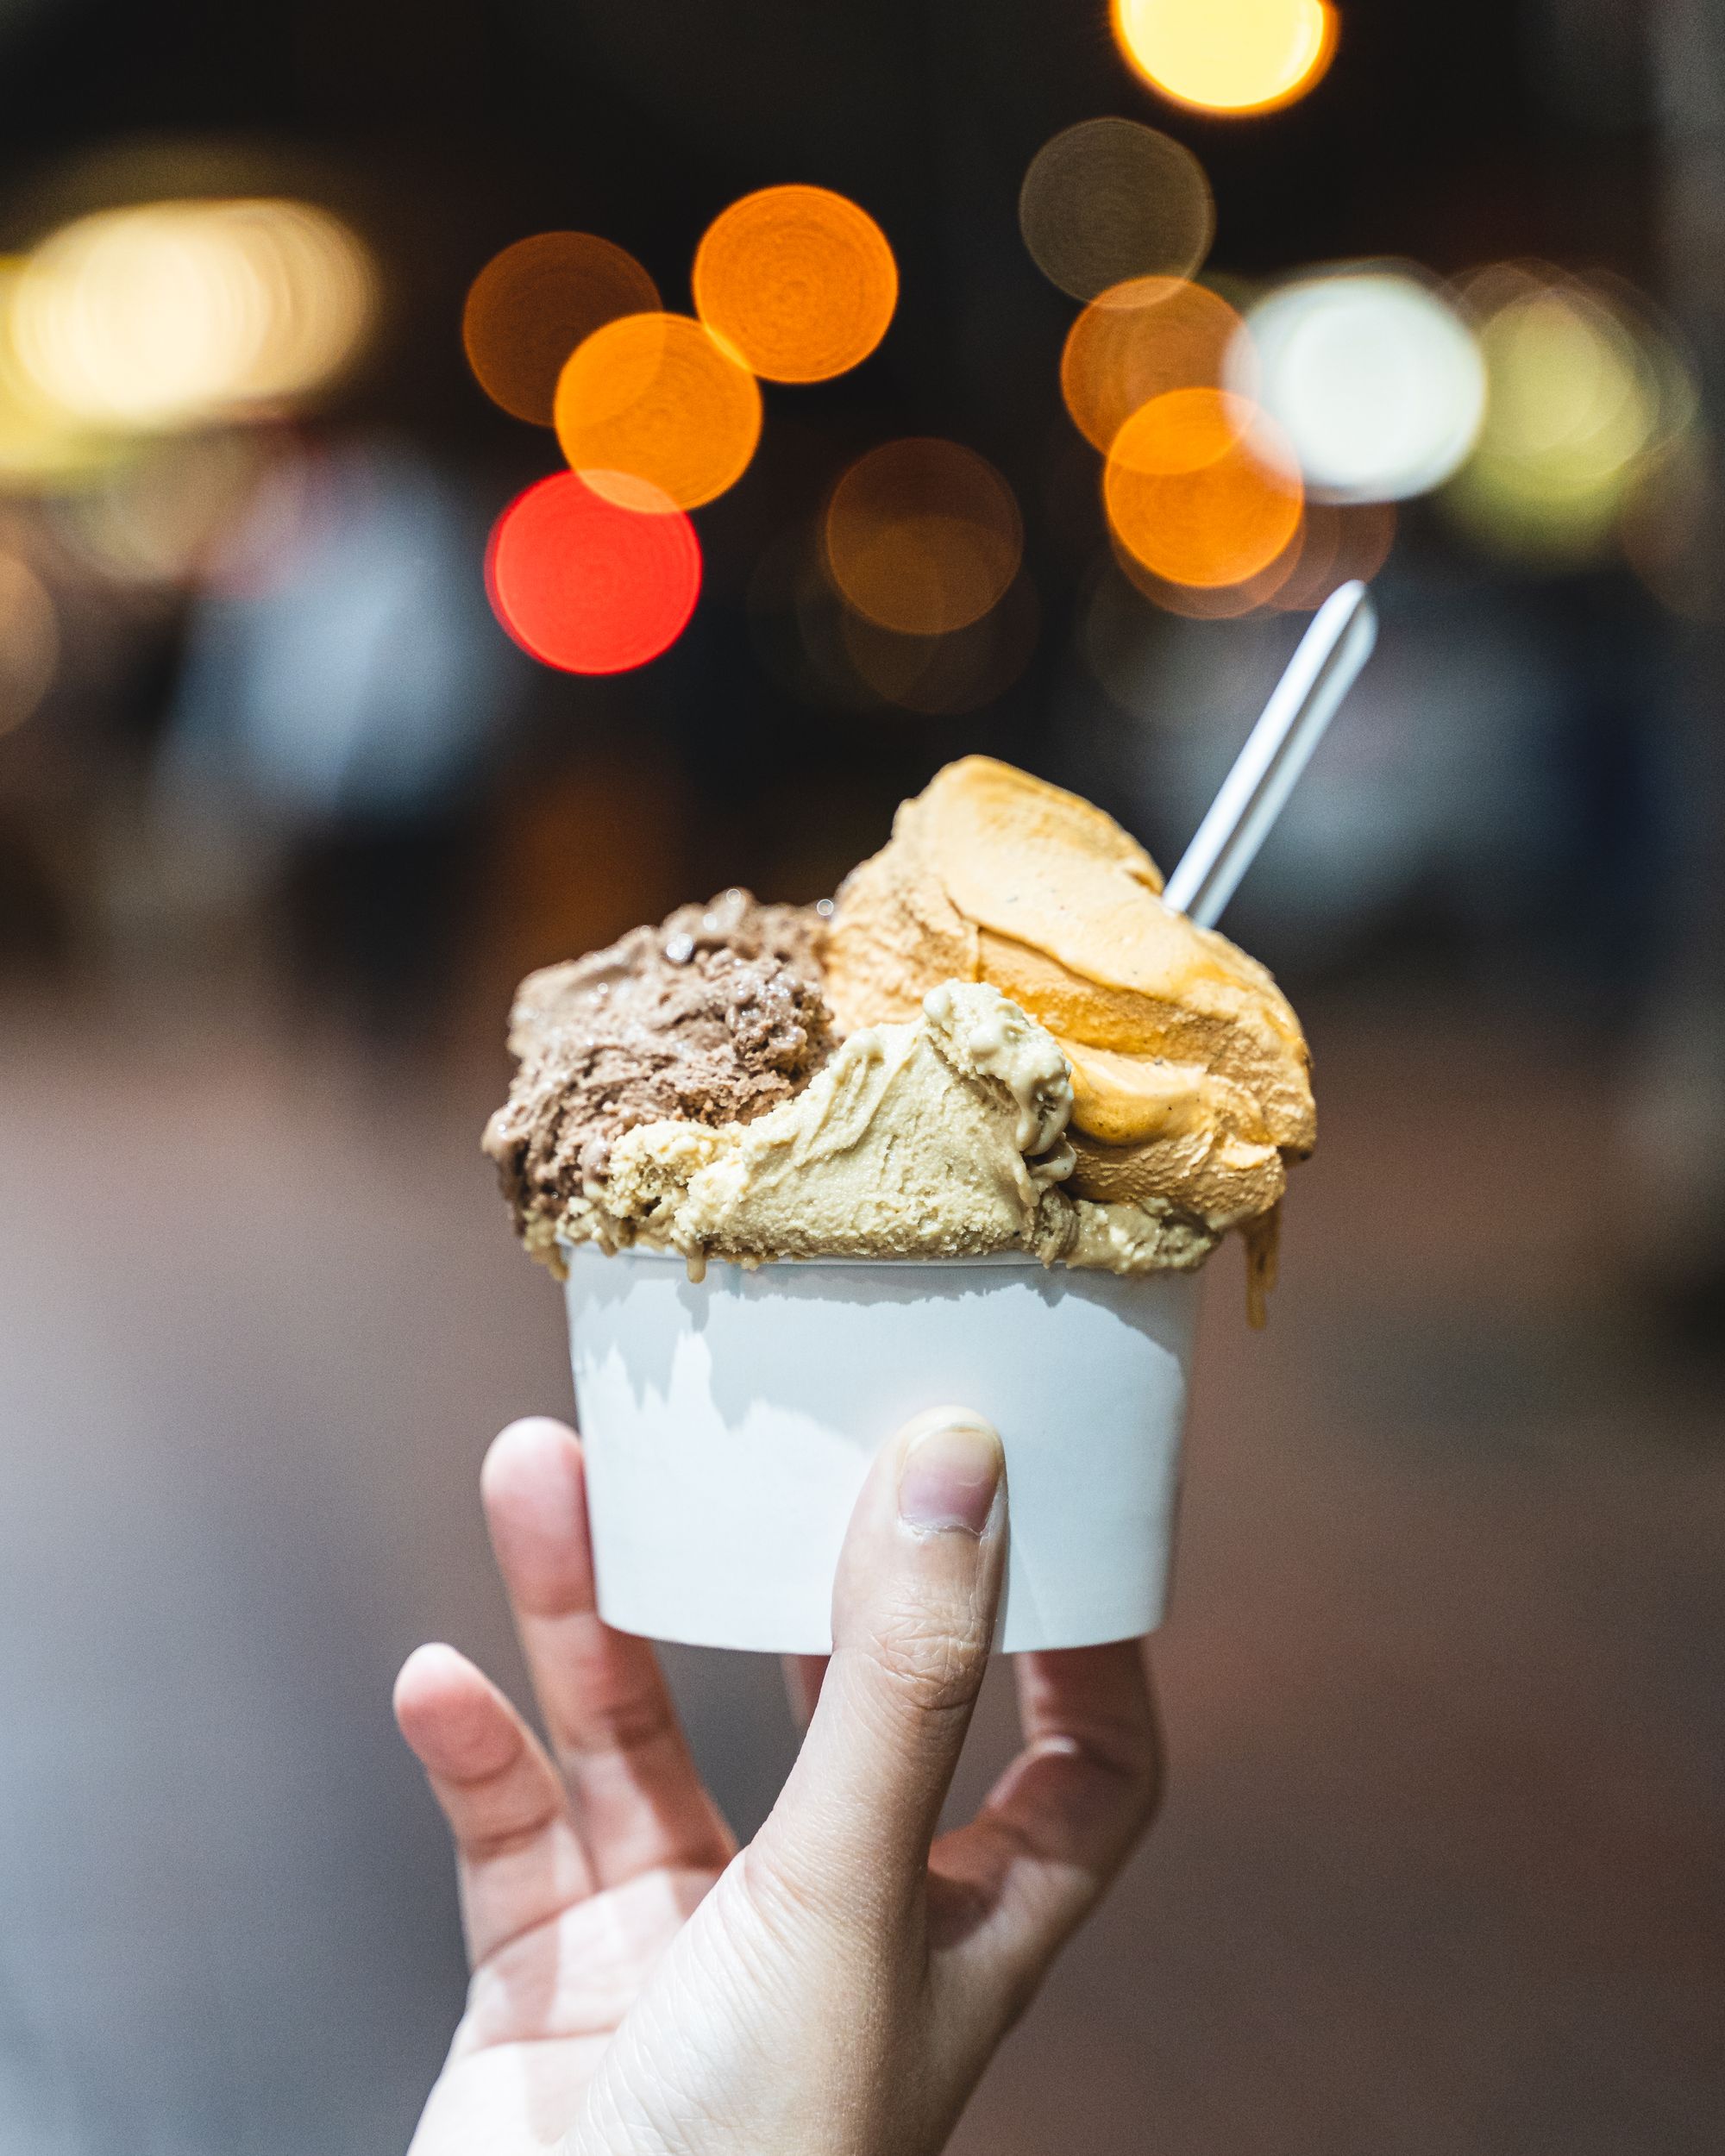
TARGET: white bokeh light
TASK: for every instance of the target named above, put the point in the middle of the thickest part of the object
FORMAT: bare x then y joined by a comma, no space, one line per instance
1374,377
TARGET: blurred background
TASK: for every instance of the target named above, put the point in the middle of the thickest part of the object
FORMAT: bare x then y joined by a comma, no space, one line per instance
285,813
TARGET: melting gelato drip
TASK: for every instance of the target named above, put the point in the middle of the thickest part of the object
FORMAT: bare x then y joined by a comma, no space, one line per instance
1191,1078
714,1017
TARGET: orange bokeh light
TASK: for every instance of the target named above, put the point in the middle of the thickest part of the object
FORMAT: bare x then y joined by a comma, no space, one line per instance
1217,602
1231,56
1334,543
1140,340
532,305
799,281
923,536
656,397
1201,489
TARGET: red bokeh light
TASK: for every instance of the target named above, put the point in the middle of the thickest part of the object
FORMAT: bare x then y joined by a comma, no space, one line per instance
587,585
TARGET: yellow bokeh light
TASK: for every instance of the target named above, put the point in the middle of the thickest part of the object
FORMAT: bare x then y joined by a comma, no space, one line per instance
532,305
923,536
1201,489
1111,199
656,398
1227,55
42,447
172,314
799,281
1581,389
1140,340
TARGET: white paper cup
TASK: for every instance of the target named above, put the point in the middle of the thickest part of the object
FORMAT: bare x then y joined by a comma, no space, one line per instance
728,1426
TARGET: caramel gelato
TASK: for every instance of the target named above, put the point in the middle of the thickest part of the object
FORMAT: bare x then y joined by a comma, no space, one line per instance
1001,1039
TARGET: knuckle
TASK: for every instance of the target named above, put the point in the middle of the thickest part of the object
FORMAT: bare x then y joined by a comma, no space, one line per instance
624,1721
1135,1769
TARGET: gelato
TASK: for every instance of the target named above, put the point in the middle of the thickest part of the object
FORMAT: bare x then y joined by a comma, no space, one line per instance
1191,1075
1002,1039
710,1018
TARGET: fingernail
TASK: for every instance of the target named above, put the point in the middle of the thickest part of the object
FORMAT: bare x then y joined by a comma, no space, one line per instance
950,1470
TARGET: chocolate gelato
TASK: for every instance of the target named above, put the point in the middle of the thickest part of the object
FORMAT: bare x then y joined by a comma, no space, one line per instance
712,1017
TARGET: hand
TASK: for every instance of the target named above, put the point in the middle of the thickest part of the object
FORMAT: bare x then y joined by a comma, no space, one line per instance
640,1988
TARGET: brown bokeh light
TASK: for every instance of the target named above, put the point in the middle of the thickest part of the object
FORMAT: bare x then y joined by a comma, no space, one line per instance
532,305
923,536
1110,199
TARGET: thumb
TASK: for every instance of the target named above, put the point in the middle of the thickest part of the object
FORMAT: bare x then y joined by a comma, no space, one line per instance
912,1614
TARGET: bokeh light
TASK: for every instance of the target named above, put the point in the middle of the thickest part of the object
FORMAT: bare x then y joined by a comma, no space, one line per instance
166,517
29,641
532,305
1216,602
1335,544
587,585
1141,339
795,618
923,536
1202,488
1674,518
41,447
1110,199
654,407
1227,55
799,281
1372,375
961,671
172,314
1580,387
1338,543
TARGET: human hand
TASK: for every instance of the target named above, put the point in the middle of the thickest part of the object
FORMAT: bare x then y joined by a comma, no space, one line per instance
641,1989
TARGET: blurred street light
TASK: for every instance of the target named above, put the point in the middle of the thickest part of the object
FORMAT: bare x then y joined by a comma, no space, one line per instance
1232,56
1372,375
172,314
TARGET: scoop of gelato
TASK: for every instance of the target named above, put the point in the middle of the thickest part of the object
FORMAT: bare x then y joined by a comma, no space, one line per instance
1191,1078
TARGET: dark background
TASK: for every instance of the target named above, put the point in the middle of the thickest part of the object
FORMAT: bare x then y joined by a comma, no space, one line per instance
1440,1869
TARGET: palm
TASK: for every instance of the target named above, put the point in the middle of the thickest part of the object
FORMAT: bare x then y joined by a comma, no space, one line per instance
542,2007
